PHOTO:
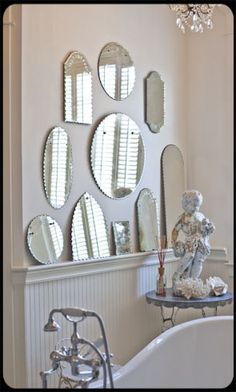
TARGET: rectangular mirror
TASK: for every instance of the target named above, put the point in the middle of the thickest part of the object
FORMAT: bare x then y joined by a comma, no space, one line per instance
121,232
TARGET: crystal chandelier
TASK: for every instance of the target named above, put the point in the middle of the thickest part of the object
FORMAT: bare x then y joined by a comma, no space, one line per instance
193,15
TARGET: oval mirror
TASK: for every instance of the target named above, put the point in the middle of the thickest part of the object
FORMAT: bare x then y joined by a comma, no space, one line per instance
117,155
77,89
57,167
173,187
45,239
154,105
116,71
148,221
89,234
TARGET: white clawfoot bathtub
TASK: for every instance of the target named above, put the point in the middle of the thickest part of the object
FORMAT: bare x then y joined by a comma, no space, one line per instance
194,354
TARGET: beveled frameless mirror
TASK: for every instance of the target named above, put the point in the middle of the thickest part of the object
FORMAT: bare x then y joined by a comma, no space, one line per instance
116,71
154,101
89,234
117,155
148,221
77,89
45,239
57,167
121,231
174,185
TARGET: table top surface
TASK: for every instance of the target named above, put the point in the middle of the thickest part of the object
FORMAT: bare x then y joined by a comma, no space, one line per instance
169,300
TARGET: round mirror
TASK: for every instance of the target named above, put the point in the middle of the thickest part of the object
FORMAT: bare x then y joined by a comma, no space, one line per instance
116,71
117,155
45,239
57,167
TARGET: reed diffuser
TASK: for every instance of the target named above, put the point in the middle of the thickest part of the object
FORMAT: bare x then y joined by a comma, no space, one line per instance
161,281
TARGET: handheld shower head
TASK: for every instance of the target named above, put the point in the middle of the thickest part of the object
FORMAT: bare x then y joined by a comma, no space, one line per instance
51,325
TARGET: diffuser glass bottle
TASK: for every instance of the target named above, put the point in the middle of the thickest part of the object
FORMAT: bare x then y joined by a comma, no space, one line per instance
161,281
161,276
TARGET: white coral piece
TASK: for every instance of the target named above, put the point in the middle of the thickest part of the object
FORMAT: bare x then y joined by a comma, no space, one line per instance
217,285
192,288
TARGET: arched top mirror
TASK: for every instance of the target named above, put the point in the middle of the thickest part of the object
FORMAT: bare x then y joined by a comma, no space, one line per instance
57,167
174,185
116,71
45,239
148,221
77,89
117,155
154,103
89,234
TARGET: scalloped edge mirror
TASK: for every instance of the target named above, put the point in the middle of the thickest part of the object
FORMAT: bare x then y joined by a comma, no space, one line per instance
154,101
89,232
57,167
148,221
173,186
45,239
78,97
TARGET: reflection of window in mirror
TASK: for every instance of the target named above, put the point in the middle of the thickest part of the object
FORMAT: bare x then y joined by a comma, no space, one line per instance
78,89
116,71
117,155
89,234
57,167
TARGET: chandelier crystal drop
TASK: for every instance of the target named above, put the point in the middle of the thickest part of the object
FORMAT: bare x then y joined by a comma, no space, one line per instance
195,16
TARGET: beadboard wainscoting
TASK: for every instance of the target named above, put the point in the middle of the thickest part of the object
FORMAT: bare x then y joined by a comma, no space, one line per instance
114,287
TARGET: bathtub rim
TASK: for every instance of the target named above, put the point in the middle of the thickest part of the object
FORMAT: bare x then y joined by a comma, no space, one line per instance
160,340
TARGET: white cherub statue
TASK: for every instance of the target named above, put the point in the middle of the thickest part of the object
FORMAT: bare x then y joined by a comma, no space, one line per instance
195,247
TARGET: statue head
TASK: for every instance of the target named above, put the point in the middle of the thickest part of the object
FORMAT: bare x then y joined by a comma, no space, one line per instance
191,201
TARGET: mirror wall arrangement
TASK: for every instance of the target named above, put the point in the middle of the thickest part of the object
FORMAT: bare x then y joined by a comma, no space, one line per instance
154,101
77,89
45,239
148,221
121,232
57,167
117,155
89,234
116,71
173,180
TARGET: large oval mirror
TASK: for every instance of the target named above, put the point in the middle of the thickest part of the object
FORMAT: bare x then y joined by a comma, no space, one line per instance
148,221
89,234
57,167
174,185
117,155
116,71
154,104
45,239
77,89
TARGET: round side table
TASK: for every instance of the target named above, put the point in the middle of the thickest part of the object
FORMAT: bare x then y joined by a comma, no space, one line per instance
176,303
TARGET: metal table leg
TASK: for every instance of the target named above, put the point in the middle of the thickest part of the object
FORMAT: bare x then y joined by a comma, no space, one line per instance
172,318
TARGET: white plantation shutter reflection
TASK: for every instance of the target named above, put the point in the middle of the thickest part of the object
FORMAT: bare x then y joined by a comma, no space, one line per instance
68,98
127,81
108,76
84,98
128,154
58,168
56,236
103,155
